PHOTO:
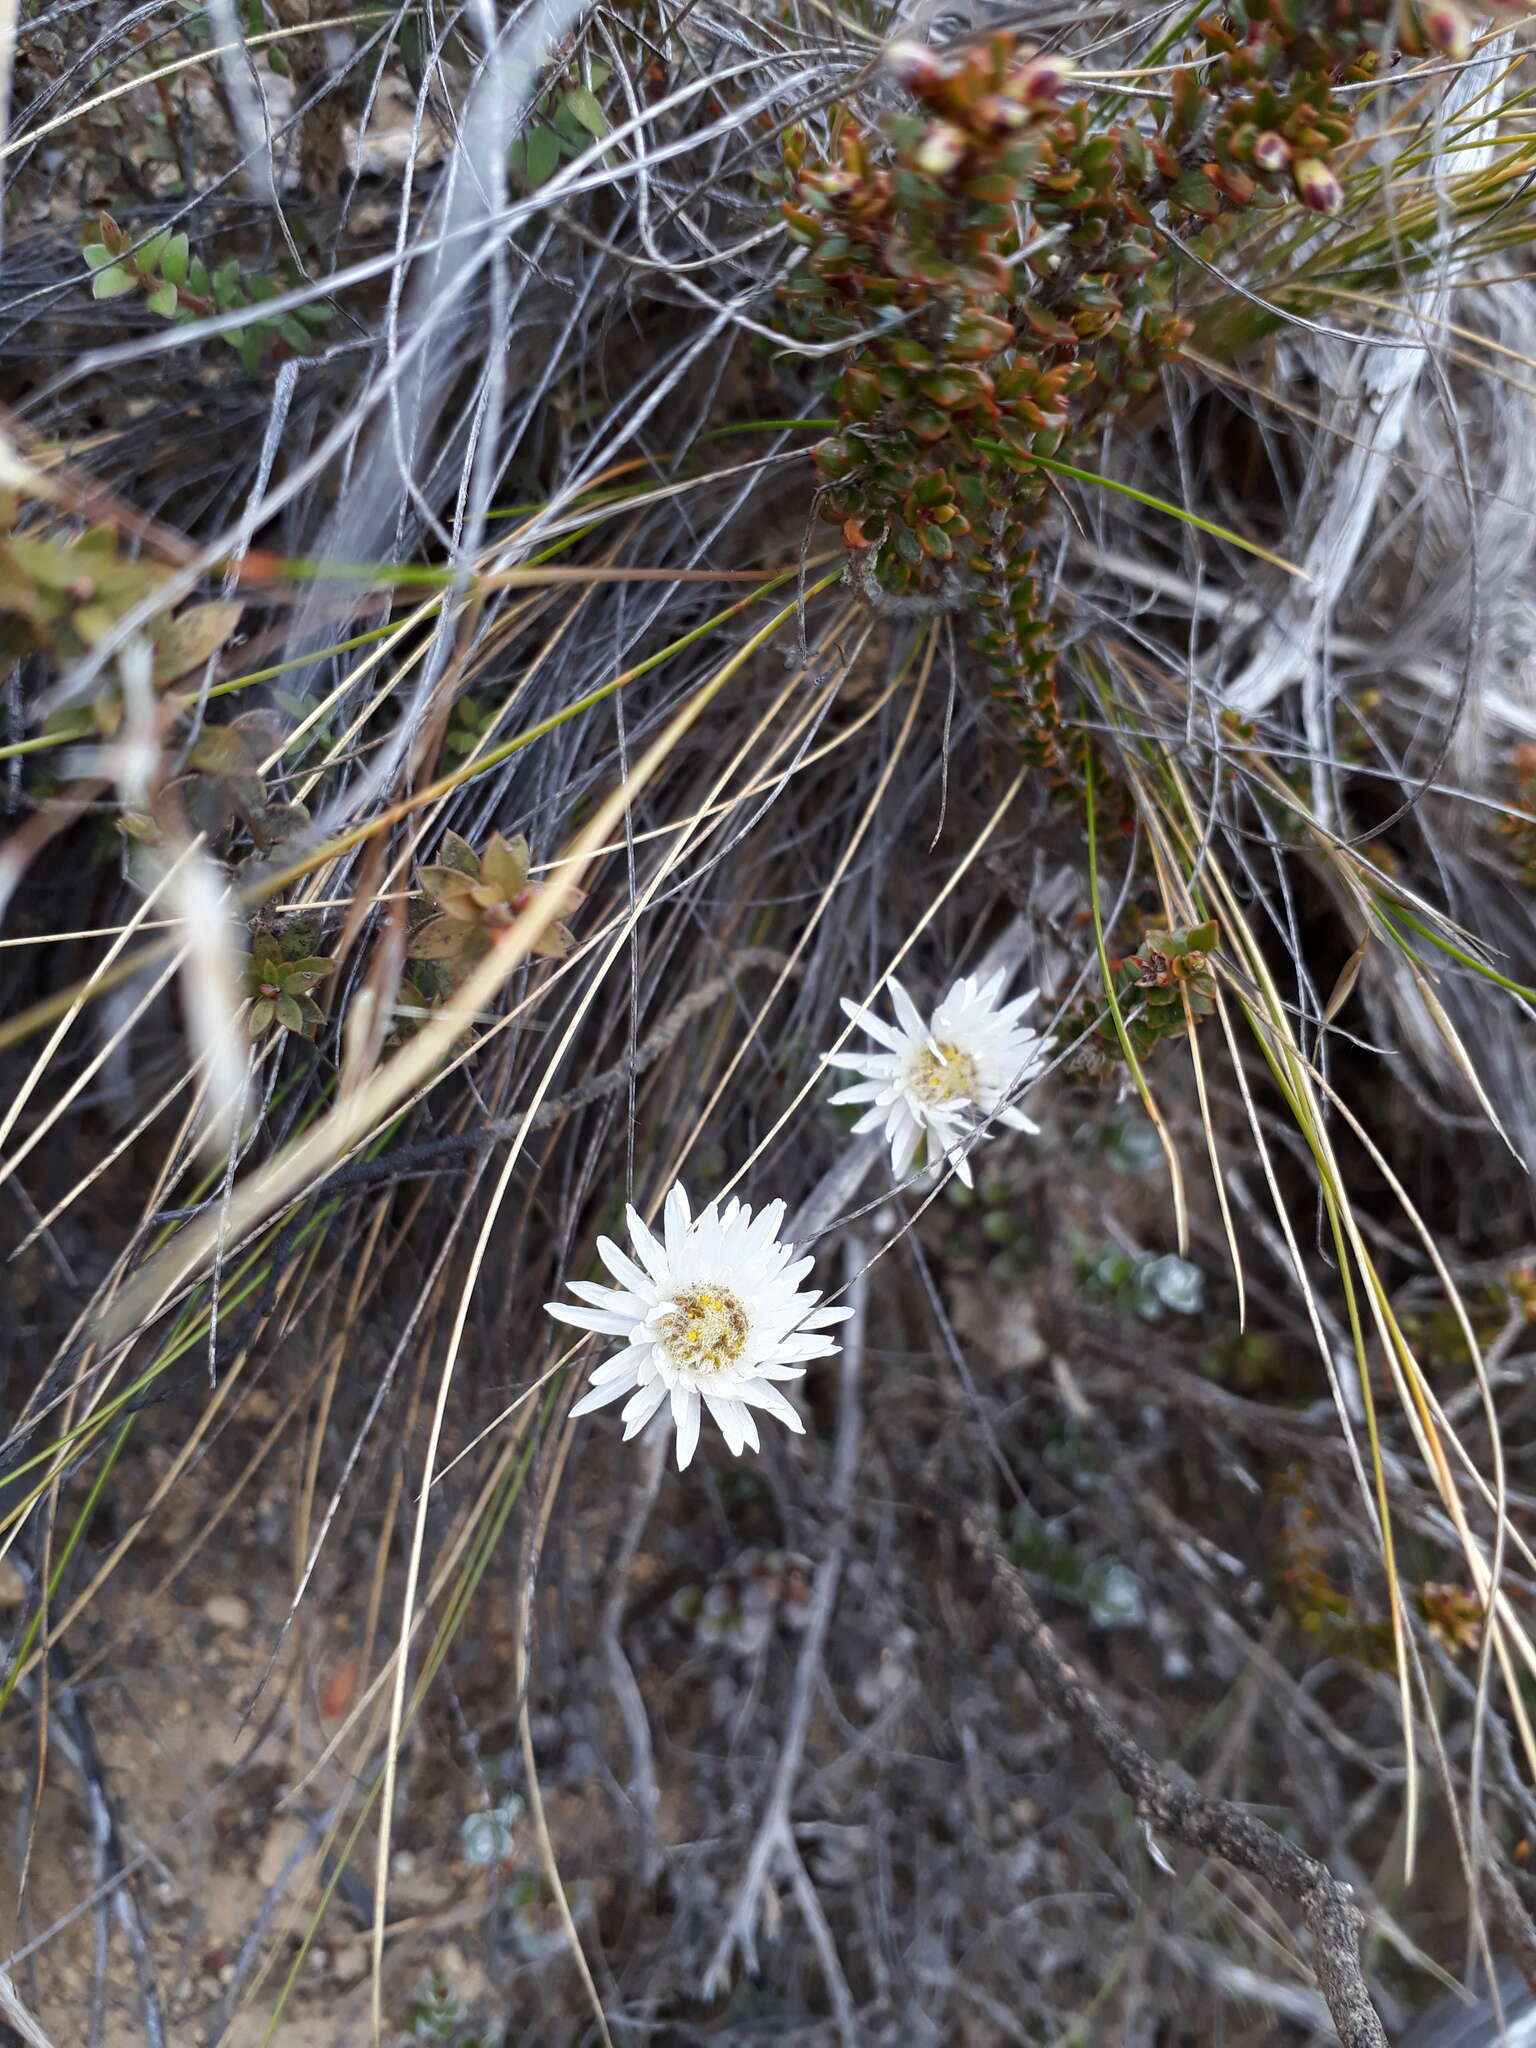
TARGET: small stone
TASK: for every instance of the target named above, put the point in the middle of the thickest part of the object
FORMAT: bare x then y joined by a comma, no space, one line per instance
13,1587
228,1611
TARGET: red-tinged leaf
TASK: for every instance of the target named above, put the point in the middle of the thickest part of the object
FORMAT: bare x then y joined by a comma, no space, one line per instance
339,1690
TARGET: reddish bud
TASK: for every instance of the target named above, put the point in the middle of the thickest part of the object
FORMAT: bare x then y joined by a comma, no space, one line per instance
1043,77
941,150
1448,30
996,117
1271,152
838,187
1317,186
917,67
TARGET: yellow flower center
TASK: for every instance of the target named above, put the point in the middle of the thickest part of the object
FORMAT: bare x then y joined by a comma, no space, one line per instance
942,1073
707,1331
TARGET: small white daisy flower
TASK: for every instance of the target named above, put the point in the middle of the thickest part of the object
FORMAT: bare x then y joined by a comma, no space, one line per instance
935,1084
710,1317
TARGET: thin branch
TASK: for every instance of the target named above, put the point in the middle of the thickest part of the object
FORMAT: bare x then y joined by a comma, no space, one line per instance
1212,1826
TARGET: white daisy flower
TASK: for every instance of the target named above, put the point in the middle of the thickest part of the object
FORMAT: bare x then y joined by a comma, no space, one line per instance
710,1317
935,1084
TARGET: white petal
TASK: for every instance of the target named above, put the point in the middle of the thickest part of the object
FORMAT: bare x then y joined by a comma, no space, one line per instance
624,1365
862,1091
761,1393
868,1021
618,1299
643,1406
600,1319
823,1318
907,1013
806,1347
904,1147
685,1412
599,1397
676,1217
874,1066
1016,1120
624,1269
731,1417
652,1255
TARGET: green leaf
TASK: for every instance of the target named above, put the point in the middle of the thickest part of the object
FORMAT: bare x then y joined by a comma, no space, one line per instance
226,284
197,277
163,300
97,255
173,264
112,282
149,255
288,1013
261,1016
543,147
587,111
294,332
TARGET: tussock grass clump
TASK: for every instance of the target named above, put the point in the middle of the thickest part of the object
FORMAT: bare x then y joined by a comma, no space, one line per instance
545,556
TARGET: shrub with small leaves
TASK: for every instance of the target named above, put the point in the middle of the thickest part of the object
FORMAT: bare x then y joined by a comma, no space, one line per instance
179,286
1002,272
1152,987
488,1836
477,898
739,1609
279,976
1308,1585
1453,1615
437,2013
222,784
565,121
1110,1591
60,594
